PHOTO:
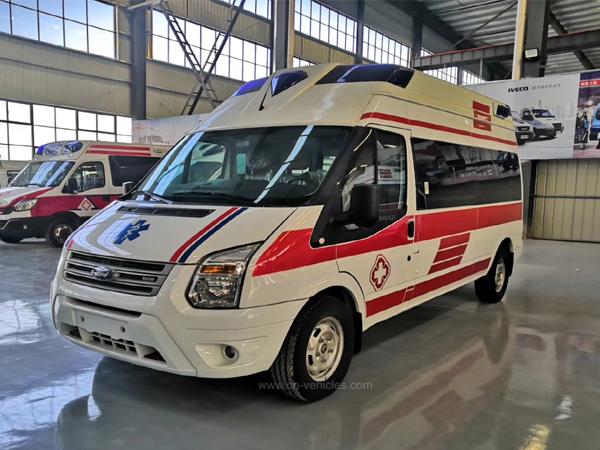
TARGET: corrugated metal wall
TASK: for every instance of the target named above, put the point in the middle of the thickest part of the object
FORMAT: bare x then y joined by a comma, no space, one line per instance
567,200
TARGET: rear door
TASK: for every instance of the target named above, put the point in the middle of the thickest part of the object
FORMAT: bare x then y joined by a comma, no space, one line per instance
382,259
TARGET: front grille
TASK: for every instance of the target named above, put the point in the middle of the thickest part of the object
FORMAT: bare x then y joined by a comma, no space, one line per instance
117,345
523,128
556,126
120,275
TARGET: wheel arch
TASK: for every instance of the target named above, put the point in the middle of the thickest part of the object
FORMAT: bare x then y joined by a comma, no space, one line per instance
508,245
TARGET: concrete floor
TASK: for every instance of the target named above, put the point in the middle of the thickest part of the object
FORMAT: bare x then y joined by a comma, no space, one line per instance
451,374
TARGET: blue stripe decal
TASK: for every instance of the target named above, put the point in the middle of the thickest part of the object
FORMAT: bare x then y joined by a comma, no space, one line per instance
208,234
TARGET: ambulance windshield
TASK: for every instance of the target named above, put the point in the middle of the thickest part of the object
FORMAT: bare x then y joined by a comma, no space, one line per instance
42,174
257,166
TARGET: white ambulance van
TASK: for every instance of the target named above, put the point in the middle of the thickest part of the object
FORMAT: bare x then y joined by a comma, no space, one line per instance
308,207
66,184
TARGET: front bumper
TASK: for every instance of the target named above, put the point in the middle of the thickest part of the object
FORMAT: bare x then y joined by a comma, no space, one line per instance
23,227
165,333
524,135
545,132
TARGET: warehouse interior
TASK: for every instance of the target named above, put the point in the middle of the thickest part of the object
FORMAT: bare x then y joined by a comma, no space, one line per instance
451,373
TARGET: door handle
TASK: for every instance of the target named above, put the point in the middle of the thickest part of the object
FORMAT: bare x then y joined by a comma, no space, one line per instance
410,232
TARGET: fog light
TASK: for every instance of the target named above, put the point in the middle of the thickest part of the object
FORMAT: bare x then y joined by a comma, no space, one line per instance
230,352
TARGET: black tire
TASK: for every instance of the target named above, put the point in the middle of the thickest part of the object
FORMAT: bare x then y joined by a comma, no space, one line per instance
59,230
10,240
487,289
290,371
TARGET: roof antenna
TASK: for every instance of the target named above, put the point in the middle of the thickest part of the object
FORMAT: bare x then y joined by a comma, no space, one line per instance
262,102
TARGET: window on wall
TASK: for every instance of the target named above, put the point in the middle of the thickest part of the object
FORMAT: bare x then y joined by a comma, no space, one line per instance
25,126
449,74
258,7
379,48
299,62
325,24
471,78
241,59
85,25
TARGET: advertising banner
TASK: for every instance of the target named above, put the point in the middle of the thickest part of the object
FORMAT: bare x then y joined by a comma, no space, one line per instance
587,129
166,130
545,111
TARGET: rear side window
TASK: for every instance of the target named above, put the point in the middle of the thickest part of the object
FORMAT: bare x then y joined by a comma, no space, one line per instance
451,175
129,168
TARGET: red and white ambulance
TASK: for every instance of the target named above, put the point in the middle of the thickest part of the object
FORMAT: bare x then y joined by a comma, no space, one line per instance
308,207
66,184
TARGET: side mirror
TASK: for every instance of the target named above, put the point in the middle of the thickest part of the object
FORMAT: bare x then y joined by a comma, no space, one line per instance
128,187
72,187
364,205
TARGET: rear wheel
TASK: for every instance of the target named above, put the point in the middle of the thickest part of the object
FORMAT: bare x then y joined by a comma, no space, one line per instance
317,351
491,287
59,230
10,240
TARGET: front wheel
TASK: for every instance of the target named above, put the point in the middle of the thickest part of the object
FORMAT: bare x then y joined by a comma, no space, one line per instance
317,351
491,287
59,231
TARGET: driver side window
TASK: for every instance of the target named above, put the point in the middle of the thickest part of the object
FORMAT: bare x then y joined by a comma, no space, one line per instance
89,175
383,162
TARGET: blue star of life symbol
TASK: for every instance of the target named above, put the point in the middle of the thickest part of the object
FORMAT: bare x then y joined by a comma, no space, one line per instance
132,231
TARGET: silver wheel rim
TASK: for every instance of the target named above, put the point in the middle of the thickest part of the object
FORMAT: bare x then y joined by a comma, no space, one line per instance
500,275
62,232
325,348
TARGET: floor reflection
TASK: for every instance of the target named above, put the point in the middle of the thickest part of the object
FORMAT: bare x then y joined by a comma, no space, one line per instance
451,374
418,400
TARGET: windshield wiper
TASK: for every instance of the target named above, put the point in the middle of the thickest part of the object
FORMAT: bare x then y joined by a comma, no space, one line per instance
34,184
153,196
219,195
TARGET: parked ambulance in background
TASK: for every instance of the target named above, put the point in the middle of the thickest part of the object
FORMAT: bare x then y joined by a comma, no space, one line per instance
66,184
341,196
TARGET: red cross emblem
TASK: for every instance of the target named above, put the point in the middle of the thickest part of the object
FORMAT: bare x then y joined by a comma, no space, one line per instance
380,272
86,205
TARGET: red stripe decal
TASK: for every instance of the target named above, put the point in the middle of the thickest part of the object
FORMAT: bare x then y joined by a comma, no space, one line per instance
388,301
115,153
120,147
292,250
481,107
29,196
434,126
490,216
451,241
445,264
443,255
196,236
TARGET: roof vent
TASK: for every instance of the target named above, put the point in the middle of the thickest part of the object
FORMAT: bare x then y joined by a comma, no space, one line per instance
286,80
251,86
390,73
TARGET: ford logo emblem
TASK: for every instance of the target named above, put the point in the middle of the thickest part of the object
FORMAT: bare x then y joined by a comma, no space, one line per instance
103,273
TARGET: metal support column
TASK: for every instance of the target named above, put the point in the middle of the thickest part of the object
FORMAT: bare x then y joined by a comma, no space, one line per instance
360,29
282,34
417,37
139,45
536,37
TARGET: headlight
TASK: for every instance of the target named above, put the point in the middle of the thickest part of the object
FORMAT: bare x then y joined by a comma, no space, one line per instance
25,205
217,281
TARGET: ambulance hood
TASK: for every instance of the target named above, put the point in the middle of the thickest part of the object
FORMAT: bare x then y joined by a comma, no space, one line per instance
12,195
181,234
